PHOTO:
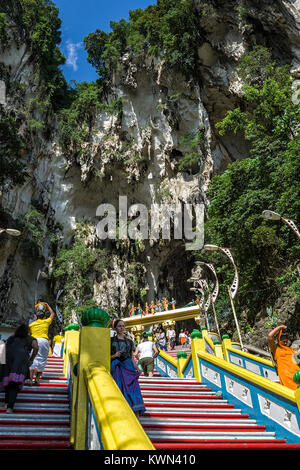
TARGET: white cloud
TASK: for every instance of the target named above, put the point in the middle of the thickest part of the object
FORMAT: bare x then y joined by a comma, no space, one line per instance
72,54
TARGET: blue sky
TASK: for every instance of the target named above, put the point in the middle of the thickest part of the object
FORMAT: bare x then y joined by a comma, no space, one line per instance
81,17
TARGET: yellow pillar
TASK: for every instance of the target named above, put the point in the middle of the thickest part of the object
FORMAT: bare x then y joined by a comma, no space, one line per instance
204,333
71,344
94,346
197,345
218,350
226,344
180,365
297,397
71,349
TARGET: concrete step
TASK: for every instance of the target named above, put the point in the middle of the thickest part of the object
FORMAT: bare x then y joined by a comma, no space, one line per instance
40,397
37,444
174,387
183,401
207,422
193,436
171,393
36,419
30,432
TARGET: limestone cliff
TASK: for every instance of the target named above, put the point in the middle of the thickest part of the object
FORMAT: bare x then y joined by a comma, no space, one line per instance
135,152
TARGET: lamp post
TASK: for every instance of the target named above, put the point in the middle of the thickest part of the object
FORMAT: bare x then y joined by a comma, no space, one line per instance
202,285
212,295
11,231
232,290
271,215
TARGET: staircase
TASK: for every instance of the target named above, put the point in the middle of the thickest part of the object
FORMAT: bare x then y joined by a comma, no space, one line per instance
177,349
184,414
41,418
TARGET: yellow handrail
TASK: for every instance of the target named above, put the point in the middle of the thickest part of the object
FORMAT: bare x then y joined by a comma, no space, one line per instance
118,426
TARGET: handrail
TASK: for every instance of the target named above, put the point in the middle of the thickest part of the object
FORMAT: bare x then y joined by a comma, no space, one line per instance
262,360
254,349
118,426
249,376
72,376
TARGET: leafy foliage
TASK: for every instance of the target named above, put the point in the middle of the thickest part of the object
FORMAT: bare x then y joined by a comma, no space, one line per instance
76,120
192,144
75,267
11,168
169,29
267,179
4,38
39,26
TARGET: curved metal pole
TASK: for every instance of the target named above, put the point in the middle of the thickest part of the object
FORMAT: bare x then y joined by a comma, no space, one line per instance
210,300
215,292
77,305
232,290
203,285
213,295
59,315
271,215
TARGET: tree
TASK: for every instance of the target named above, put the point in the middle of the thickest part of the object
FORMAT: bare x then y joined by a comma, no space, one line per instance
267,179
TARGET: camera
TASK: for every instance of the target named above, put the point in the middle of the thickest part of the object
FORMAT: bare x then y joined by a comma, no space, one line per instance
123,356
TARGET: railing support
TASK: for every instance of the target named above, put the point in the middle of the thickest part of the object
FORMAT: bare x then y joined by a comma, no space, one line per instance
94,346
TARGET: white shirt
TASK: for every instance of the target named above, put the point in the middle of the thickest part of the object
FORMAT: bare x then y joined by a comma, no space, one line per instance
145,349
171,333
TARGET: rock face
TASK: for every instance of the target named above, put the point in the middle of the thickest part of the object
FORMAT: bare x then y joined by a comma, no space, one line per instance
135,154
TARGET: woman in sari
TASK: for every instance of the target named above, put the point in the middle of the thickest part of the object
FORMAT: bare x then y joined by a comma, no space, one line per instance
21,350
283,356
124,369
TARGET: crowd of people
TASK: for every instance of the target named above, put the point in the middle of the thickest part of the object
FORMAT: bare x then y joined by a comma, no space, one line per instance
24,357
167,340
152,308
127,354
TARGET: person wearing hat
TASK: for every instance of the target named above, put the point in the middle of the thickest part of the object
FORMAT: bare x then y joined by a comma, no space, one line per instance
146,351
39,329
283,355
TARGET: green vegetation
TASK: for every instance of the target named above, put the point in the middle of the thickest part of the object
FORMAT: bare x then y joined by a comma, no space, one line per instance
4,38
35,232
11,169
76,266
76,121
193,145
33,224
38,25
267,179
169,30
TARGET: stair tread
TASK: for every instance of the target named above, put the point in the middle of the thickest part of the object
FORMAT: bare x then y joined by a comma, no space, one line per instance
185,414
41,417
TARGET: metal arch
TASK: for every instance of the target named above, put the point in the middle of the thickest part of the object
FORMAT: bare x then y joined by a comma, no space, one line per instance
292,225
203,284
77,305
215,292
59,315
209,301
207,304
235,284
